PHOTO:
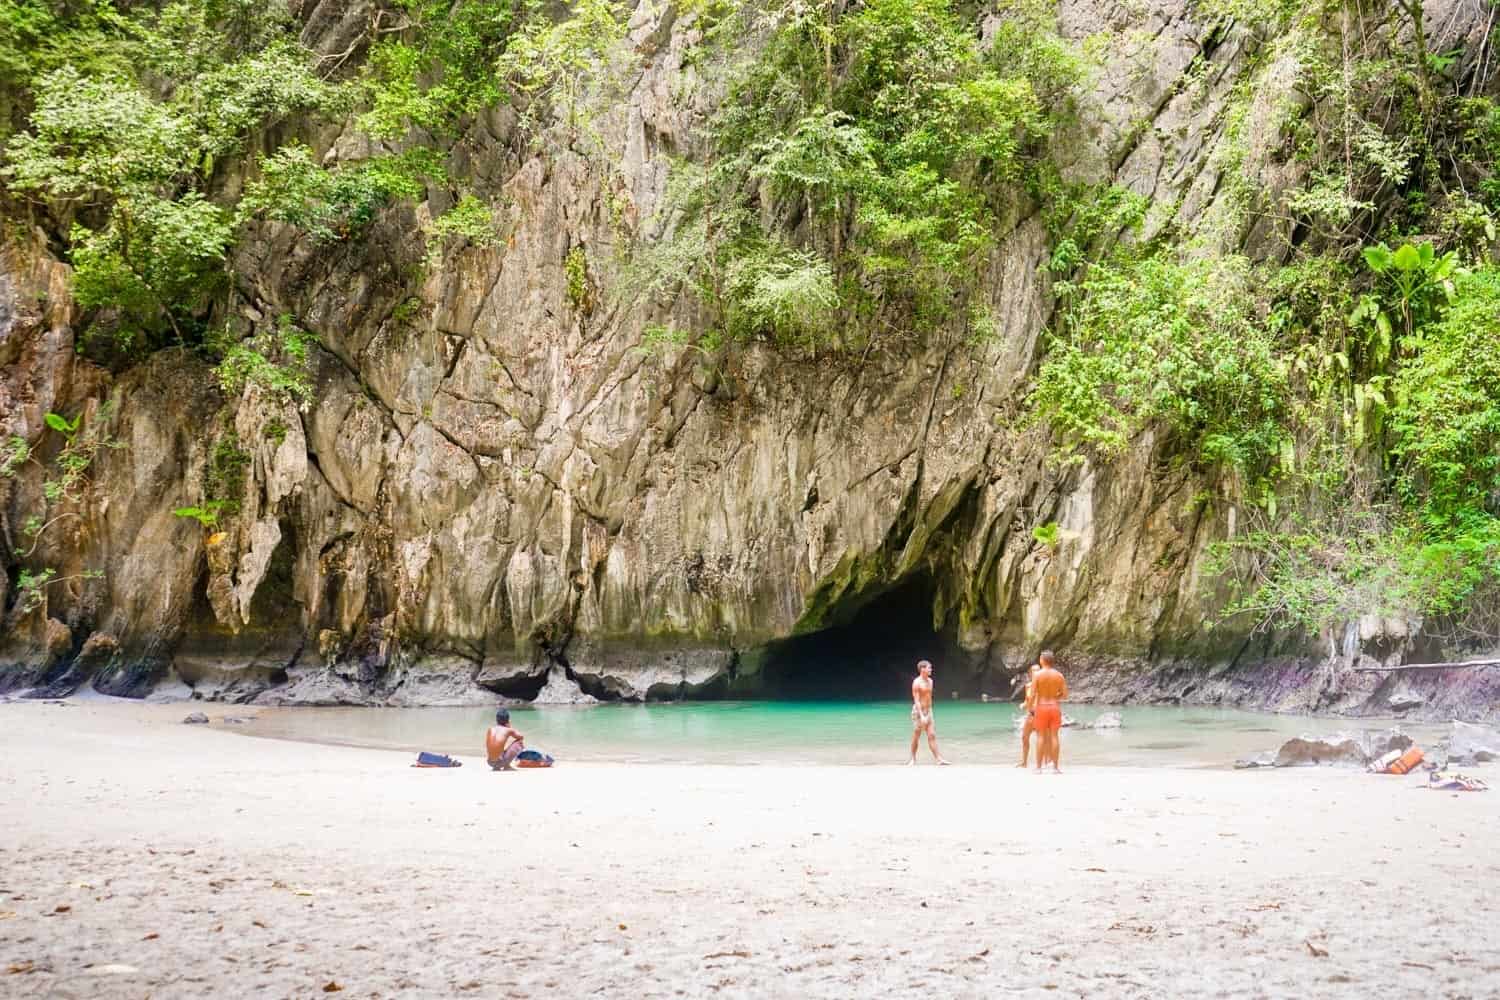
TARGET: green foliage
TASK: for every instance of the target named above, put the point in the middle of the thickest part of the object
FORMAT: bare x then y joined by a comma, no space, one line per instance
1321,573
206,515
67,428
1151,340
15,454
124,131
70,468
1047,534
1446,417
434,64
31,589
274,361
576,273
861,167
333,204
1417,280
469,220
560,64
223,480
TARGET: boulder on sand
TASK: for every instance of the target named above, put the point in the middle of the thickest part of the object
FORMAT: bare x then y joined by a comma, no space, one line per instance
196,719
1471,744
1349,749
1307,751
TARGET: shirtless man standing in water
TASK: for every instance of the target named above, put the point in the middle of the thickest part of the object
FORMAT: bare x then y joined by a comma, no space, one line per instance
1050,692
921,713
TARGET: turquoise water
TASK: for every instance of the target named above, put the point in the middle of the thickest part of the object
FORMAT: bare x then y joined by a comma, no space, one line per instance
807,732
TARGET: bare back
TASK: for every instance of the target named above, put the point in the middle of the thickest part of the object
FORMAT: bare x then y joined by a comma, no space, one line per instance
497,738
1049,687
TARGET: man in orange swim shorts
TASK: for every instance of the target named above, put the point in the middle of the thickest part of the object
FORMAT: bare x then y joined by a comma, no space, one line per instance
1050,690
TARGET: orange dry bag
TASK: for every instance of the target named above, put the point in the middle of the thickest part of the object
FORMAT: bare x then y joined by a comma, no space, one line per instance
1407,761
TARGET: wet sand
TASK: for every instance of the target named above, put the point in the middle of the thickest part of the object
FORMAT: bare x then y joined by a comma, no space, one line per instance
142,857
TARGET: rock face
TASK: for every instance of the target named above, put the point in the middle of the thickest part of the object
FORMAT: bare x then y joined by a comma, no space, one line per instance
497,489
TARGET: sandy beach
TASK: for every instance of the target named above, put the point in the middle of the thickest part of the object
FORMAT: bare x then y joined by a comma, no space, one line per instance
140,857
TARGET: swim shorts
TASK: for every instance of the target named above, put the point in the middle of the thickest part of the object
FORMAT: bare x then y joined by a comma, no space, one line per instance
920,719
1047,717
507,755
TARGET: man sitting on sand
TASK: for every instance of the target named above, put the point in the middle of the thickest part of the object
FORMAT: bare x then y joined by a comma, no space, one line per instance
502,744
921,713
1028,705
1049,692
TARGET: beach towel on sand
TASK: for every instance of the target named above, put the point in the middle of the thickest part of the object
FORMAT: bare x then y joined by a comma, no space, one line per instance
1452,781
425,759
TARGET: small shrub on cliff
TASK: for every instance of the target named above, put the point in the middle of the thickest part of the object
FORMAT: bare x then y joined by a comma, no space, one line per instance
274,360
469,220
333,204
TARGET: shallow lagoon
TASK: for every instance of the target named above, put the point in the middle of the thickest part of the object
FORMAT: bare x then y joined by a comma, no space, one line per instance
810,732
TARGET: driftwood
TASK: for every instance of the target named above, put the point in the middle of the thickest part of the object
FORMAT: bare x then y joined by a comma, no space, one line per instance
1429,666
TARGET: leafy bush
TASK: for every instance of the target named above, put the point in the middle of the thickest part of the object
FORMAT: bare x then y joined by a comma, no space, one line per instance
274,361
1446,413
861,166
469,220
1152,340
126,130
434,64
336,203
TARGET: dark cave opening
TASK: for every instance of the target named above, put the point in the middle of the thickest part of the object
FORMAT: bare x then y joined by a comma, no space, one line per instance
871,656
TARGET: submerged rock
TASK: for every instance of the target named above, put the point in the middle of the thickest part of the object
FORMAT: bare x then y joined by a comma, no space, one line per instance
195,719
1109,720
1471,744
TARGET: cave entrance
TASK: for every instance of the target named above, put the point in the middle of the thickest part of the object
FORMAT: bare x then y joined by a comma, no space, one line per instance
871,656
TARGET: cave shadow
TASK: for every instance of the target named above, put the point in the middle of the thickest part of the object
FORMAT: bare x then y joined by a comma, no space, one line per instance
872,656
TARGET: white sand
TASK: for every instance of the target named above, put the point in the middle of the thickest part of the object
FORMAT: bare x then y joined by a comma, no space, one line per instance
196,862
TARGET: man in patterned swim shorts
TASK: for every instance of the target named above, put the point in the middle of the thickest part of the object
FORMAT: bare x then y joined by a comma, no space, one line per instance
921,713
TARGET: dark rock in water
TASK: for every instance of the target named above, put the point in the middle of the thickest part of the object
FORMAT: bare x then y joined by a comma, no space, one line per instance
195,719
1471,744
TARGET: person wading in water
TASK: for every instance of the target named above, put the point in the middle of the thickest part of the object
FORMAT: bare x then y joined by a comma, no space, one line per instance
921,714
1050,691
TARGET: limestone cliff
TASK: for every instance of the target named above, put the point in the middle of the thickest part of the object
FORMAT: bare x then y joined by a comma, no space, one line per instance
496,483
